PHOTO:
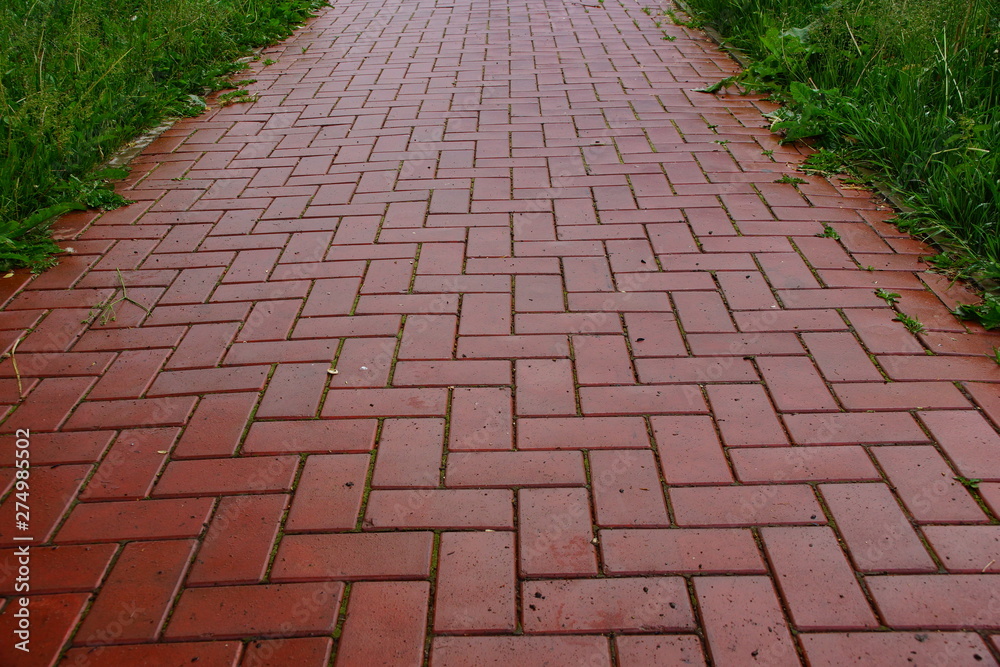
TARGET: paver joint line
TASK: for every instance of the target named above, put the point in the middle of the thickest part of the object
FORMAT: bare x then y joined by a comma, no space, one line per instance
480,336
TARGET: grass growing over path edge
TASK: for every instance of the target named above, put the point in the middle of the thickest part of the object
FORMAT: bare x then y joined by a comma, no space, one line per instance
908,89
80,79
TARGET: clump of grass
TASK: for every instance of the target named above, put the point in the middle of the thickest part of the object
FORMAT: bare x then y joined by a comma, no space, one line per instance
968,482
912,324
908,89
824,162
828,231
677,20
236,97
81,78
27,242
986,313
889,297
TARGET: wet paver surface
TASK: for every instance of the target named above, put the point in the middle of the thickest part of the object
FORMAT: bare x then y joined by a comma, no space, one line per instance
605,391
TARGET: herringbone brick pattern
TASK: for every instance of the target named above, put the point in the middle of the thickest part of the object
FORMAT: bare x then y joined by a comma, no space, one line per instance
605,392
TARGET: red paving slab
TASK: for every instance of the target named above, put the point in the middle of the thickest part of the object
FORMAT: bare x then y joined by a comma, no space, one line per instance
480,339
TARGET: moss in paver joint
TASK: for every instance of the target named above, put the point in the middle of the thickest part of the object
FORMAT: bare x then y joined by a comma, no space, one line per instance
432,578
805,260
696,610
251,420
277,543
360,524
357,299
443,466
594,527
518,599
878,366
413,271
338,629
576,381
657,457
395,351
332,373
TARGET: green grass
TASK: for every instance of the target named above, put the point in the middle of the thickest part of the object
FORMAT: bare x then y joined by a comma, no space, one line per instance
908,88
912,324
79,78
889,297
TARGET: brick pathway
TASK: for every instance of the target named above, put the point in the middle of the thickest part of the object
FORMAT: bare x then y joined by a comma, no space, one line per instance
605,391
